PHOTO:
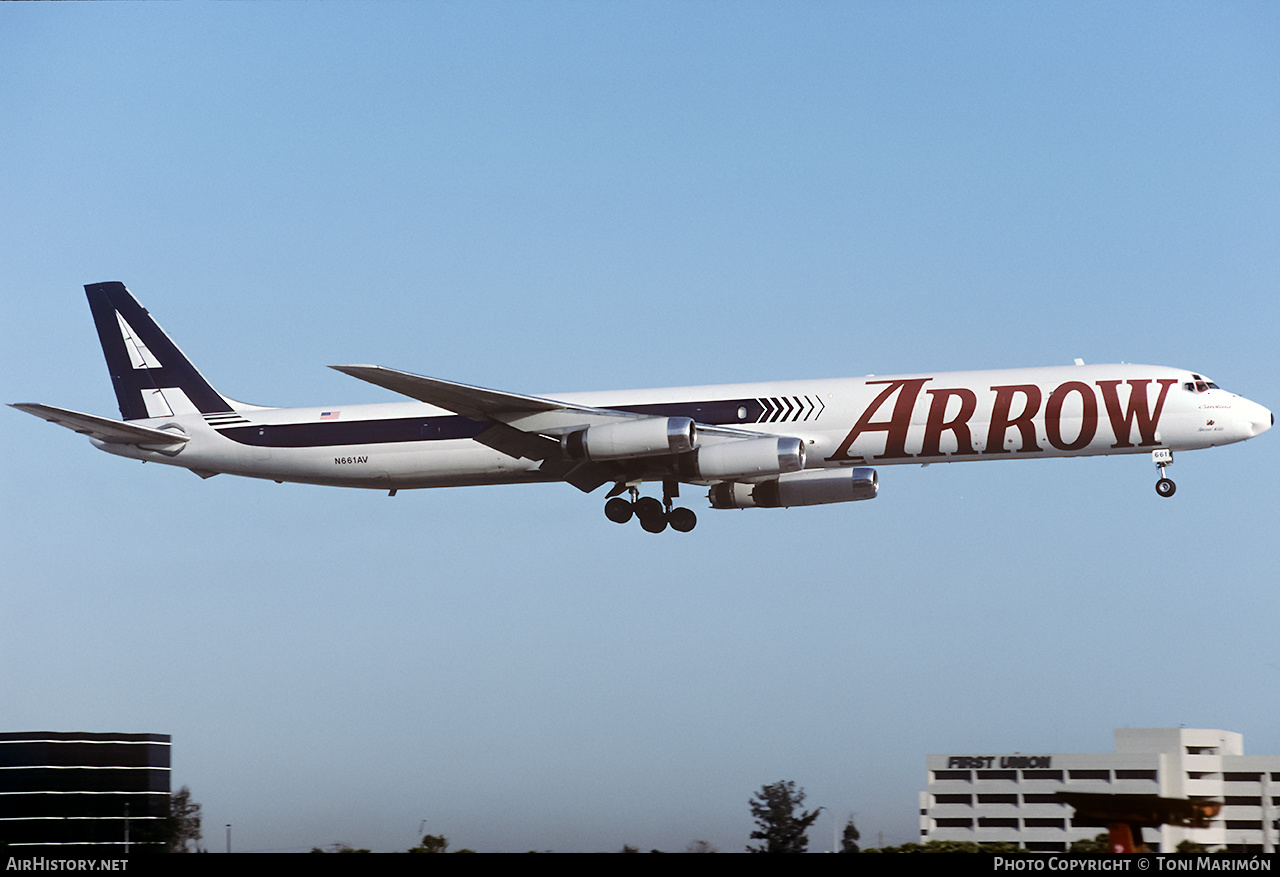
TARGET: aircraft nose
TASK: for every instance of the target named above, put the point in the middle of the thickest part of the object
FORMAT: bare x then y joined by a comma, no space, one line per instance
1260,418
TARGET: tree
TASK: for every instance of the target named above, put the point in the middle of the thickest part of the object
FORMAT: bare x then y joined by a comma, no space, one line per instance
700,846
432,843
781,830
849,839
1100,844
182,827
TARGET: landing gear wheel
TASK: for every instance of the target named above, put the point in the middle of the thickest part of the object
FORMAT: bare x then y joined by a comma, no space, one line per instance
654,525
1165,487
618,510
651,514
682,520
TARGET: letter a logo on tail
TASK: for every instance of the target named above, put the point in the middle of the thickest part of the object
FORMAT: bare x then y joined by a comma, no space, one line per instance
151,376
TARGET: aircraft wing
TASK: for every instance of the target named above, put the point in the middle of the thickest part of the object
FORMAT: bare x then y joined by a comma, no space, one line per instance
101,428
531,414
526,413
520,425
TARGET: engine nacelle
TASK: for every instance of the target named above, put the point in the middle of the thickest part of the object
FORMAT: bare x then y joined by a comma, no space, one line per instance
743,458
817,487
647,437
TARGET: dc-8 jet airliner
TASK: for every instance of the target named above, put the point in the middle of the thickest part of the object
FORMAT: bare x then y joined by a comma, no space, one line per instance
789,443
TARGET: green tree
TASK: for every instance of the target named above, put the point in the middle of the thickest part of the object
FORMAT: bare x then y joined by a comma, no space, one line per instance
432,843
849,838
774,808
1100,844
182,827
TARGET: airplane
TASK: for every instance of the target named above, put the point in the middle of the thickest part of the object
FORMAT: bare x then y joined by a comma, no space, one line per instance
763,445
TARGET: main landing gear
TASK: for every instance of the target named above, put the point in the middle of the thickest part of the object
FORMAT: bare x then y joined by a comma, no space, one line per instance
654,516
1164,457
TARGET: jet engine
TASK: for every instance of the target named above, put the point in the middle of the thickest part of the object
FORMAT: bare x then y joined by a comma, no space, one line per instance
816,487
645,437
743,458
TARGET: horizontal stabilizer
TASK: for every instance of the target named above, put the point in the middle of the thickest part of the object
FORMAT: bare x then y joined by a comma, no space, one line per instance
101,428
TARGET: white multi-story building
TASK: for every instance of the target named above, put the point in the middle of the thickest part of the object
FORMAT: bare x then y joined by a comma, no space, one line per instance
1013,796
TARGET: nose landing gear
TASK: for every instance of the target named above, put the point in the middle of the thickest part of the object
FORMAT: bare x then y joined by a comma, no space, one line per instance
1164,457
654,516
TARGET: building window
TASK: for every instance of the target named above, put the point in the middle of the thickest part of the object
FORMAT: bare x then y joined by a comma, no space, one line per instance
1245,824
1042,799
1239,777
954,823
942,775
966,800
996,822
1104,775
998,775
1243,800
998,799
1136,775
1045,823
1042,775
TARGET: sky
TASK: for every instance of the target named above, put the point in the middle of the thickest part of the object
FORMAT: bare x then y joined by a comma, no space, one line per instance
552,197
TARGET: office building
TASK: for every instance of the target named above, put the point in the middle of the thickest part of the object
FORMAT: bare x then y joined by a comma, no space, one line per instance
79,791
1012,796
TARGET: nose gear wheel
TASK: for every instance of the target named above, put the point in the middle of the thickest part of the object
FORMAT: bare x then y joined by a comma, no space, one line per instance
1165,486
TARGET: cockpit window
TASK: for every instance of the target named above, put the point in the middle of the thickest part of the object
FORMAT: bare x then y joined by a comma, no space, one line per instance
1199,385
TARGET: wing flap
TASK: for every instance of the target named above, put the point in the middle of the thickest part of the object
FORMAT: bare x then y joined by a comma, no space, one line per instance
518,443
101,428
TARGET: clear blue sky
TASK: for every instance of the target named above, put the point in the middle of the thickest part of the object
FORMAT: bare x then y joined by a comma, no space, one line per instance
549,197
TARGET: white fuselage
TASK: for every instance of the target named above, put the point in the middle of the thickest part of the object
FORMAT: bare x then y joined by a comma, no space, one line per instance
877,420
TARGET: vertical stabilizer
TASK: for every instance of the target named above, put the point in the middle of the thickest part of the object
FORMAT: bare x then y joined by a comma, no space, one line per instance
152,377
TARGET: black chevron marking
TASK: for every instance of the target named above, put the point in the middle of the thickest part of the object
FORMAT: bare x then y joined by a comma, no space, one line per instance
764,411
